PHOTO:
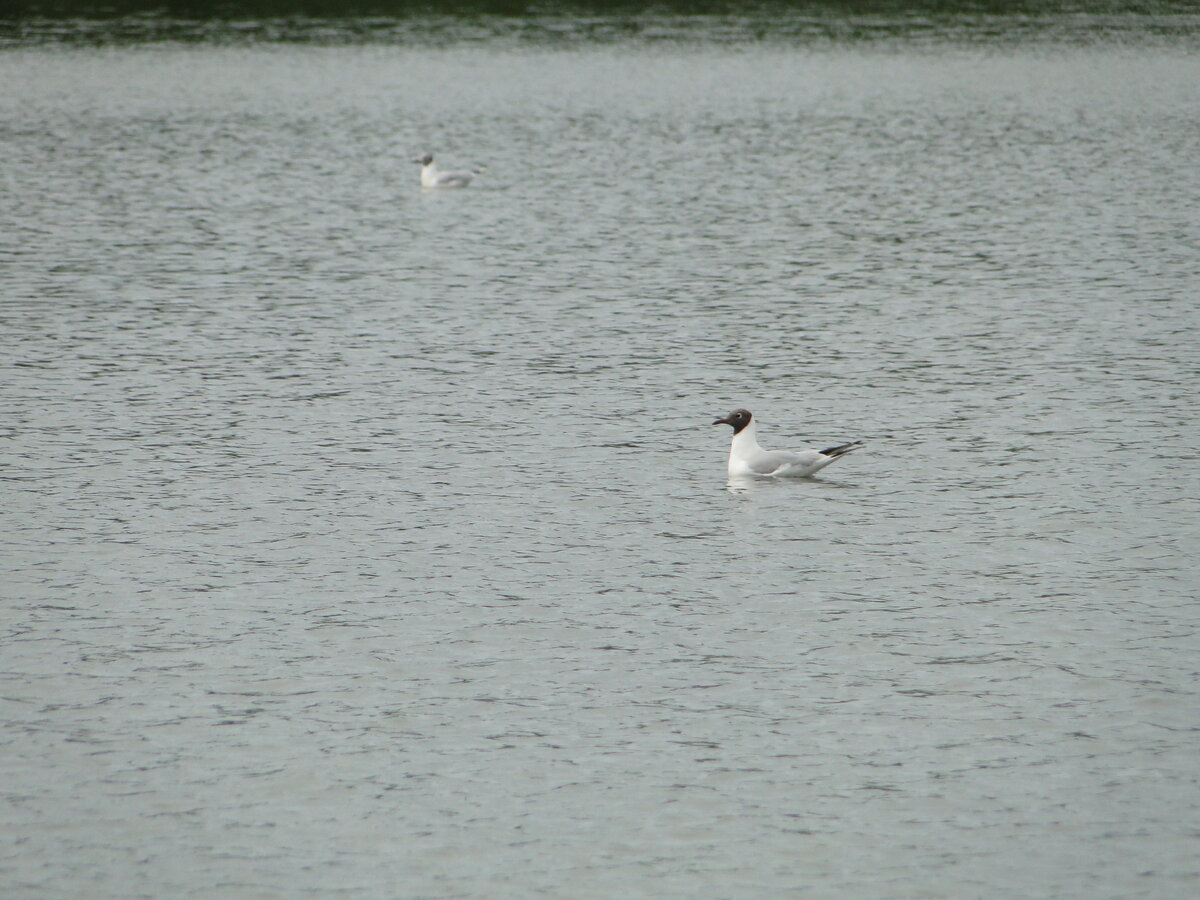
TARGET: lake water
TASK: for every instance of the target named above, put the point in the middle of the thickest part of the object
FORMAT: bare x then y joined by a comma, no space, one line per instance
370,542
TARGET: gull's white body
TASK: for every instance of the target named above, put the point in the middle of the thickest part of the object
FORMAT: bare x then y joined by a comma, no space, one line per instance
432,177
747,458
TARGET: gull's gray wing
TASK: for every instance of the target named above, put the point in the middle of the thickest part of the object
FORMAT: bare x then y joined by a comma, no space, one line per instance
771,461
455,179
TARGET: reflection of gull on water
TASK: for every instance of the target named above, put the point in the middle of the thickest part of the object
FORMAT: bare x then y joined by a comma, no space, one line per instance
431,177
747,458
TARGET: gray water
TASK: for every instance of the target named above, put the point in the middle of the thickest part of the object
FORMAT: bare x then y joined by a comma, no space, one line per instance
370,542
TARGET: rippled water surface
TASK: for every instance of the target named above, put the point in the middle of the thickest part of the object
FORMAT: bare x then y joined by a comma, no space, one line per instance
370,542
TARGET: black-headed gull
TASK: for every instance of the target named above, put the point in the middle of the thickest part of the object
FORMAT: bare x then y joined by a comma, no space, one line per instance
432,178
747,458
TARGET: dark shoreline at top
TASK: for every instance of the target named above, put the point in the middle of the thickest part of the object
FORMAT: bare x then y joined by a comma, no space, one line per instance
108,23
234,10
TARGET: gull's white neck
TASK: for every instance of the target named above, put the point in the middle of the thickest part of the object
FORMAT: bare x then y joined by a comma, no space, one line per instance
429,174
745,443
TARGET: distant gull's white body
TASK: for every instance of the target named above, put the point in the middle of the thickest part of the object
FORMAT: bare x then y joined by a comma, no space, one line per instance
747,458
432,177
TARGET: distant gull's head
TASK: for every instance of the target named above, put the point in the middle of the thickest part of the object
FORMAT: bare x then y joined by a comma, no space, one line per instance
739,419
424,160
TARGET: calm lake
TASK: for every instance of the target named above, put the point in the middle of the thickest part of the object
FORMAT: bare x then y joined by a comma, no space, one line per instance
369,541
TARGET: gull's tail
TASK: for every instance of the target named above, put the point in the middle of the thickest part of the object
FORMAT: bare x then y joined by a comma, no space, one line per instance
841,449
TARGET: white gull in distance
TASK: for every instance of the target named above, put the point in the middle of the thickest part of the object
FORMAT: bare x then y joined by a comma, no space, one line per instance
432,177
746,457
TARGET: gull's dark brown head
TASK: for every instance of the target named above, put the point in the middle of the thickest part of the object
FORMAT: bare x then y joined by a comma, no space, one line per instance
738,419
424,160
